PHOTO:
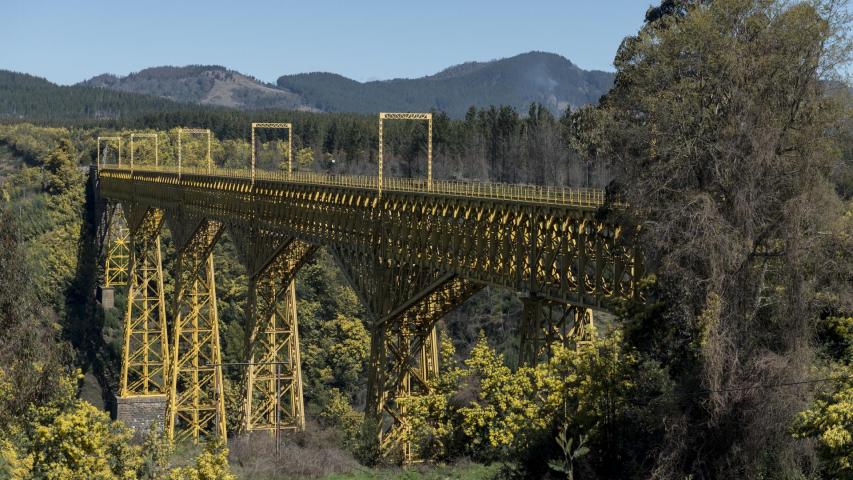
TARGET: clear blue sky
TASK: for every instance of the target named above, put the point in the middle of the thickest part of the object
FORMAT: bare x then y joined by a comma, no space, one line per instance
68,41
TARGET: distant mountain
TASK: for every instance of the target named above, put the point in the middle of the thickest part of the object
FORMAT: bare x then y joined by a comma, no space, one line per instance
202,84
519,81
547,78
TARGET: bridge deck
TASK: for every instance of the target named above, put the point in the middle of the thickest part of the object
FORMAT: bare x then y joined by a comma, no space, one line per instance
550,195
543,241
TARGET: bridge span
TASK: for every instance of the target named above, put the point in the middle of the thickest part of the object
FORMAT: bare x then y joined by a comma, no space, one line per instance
412,253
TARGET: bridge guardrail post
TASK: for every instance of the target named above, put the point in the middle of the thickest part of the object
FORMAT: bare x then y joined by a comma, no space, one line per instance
131,154
179,154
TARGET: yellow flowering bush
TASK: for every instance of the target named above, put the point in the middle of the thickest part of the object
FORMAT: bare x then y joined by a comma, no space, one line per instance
487,410
433,418
506,403
13,465
211,464
829,420
339,412
81,442
66,438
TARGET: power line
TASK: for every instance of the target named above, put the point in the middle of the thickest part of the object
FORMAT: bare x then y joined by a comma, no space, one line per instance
647,399
778,385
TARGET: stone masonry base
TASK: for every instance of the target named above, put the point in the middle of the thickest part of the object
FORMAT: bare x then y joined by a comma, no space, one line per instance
139,412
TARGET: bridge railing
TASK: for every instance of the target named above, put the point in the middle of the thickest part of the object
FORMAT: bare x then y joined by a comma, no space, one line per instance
585,197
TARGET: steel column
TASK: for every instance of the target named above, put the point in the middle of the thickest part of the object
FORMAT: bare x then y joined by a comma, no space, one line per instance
274,376
145,356
117,259
405,303
273,382
196,404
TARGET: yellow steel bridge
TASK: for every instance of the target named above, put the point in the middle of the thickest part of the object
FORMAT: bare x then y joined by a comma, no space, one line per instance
412,250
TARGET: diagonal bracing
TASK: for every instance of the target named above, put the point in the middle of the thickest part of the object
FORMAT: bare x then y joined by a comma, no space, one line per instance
196,403
145,355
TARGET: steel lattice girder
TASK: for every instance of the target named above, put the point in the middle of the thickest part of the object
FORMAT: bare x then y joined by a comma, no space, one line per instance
196,403
145,356
274,358
117,238
560,252
405,302
545,323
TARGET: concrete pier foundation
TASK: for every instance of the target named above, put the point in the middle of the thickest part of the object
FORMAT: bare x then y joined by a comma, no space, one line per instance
107,297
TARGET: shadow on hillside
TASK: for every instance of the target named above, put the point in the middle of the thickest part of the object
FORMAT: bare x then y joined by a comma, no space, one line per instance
85,325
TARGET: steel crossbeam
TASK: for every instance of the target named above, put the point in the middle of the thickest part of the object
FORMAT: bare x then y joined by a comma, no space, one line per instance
116,140
404,116
156,138
274,125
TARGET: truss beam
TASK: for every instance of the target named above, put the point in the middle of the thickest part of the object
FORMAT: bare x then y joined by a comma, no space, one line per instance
563,253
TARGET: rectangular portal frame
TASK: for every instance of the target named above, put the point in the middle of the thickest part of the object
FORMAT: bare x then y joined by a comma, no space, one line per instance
117,140
194,131
156,138
275,125
406,116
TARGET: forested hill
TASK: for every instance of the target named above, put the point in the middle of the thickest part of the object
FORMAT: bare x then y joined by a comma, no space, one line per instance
546,78
28,97
203,84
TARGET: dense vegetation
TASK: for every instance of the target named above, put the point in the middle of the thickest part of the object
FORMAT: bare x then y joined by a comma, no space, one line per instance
725,136
25,97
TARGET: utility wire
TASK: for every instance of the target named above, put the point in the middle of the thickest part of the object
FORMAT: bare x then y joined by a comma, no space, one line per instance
647,399
778,385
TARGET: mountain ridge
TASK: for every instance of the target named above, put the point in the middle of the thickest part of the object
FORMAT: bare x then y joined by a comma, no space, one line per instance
517,81
201,84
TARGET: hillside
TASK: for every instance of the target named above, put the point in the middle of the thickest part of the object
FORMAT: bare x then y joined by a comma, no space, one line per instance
519,81
202,84
546,78
28,97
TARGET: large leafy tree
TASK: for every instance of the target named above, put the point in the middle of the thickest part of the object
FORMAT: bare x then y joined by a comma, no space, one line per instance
720,130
